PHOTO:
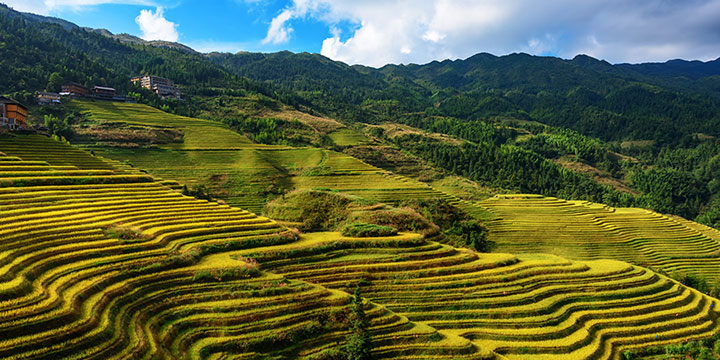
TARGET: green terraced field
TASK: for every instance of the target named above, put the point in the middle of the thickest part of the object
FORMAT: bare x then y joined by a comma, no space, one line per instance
106,262
583,230
348,137
198,134
245,174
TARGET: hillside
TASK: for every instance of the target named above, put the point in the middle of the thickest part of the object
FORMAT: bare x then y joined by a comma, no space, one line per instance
118,264
243,173
291,207
584,230
668,124
587,112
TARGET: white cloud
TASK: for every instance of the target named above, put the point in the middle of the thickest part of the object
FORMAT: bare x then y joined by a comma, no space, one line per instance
46,7
403,31
432,35
154,26
279,33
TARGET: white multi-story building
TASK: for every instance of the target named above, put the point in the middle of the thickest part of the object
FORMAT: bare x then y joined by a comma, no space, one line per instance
161,86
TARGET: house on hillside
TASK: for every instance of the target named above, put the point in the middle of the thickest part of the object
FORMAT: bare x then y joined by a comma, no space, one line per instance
165,88
102,92
12,113
47,98
73,89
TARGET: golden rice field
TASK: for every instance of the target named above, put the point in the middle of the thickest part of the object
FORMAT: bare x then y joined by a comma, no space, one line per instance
102,261
110,263
583,230
500,305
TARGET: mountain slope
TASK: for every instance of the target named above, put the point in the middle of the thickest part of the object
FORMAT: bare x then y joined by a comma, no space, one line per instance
119,265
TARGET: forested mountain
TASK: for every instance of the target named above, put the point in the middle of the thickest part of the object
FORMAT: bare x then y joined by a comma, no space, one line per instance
651,127
584,94
677,68
35,47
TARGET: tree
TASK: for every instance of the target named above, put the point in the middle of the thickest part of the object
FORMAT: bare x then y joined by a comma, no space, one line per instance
359,343
56,126
55,82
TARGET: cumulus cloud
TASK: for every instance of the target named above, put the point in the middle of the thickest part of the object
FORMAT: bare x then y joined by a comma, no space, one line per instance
279,32
404,31
154,26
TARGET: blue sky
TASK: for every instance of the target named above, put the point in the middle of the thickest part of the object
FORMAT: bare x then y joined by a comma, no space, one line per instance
376,32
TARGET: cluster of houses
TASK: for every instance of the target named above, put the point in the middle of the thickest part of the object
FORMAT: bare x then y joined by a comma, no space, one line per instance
76,90
163,87
13,115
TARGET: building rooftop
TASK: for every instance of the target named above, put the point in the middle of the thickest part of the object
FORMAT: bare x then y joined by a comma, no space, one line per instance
7,100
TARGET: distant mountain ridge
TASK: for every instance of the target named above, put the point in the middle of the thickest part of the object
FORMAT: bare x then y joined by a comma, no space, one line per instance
693,69
11,13
591,96
67,25
132,39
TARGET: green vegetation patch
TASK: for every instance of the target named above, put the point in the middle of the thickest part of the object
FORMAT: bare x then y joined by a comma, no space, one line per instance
348,137
367,230
316,210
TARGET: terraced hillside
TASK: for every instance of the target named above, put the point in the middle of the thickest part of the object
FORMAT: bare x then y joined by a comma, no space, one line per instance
110,263
583,230
520,307
246,174
107,262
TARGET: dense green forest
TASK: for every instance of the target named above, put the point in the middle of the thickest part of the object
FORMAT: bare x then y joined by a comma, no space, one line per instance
653,128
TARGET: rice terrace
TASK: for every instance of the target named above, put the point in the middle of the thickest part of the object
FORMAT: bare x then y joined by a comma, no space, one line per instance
398,195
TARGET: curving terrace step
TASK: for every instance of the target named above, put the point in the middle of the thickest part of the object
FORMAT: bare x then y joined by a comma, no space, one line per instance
583,230
130,268
538,306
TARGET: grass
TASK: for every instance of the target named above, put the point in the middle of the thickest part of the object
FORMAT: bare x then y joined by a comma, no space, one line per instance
348,137
198,134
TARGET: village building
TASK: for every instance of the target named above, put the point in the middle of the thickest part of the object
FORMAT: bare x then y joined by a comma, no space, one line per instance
165,88
73,89
48,98
102,92
12,113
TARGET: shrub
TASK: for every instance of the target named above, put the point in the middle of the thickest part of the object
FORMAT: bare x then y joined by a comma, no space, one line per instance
469,233
316,210
402,219
122,232
367,230
226,274
458,228
57,126
198,192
